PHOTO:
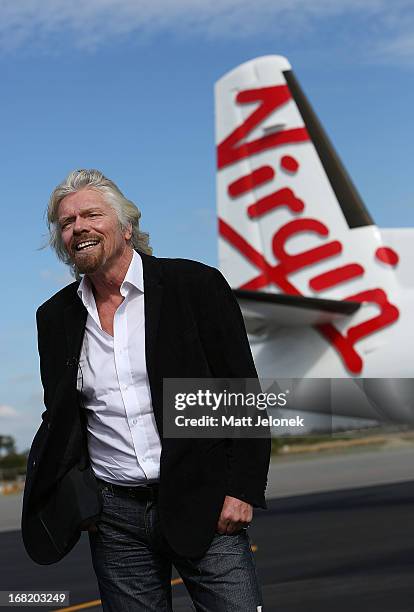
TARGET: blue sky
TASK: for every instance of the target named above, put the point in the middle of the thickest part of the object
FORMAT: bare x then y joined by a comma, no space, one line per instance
126,86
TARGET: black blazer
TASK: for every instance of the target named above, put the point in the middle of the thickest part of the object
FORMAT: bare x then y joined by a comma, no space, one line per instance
193,329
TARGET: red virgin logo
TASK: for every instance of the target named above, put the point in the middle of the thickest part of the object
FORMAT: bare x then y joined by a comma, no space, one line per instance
235,147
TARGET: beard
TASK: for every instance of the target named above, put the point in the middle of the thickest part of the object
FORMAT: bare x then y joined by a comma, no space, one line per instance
89,261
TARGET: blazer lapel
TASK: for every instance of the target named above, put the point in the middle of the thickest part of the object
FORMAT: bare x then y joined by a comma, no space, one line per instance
75,316
153,292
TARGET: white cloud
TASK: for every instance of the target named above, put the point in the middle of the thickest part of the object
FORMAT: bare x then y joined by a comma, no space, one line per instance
23,423
8,412
91,23
399,44
402,47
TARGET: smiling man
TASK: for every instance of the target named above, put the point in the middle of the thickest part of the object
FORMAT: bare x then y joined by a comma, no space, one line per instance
99,460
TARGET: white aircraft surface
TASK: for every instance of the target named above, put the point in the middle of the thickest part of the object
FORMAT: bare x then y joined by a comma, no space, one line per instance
324,292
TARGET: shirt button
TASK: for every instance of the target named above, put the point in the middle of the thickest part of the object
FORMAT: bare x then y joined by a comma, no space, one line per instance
134,421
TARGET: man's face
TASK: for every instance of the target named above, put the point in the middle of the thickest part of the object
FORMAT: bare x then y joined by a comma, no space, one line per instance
90,231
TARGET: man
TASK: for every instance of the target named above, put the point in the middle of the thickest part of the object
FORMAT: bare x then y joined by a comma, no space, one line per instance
99,460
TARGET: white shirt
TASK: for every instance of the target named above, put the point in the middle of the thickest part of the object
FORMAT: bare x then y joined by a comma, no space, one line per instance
123,440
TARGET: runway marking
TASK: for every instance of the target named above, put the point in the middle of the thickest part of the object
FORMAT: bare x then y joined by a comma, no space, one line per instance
82,606
97,602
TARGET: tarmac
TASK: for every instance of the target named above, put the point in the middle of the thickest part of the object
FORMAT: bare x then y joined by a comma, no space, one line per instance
337,535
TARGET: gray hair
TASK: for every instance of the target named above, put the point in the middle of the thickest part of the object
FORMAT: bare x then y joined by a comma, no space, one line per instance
127,212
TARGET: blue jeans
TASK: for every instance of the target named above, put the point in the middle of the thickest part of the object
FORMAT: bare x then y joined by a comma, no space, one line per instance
133,563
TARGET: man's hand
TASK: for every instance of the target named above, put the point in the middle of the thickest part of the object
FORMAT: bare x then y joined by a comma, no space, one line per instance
235,515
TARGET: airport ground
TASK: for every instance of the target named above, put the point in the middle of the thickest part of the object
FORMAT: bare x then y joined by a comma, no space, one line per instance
338,535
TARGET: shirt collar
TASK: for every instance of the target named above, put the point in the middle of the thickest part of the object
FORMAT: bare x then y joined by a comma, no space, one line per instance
135,274
134,277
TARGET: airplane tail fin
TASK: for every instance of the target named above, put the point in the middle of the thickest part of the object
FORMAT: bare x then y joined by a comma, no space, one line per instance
285,200
290,219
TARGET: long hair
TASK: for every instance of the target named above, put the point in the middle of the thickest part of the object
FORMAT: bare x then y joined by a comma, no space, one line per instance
126,211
